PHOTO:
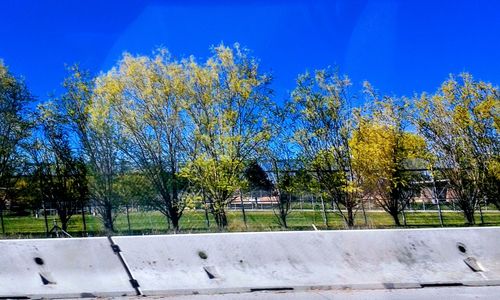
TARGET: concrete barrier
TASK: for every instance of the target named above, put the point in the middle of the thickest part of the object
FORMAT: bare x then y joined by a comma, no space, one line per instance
250,262
359,259
55,268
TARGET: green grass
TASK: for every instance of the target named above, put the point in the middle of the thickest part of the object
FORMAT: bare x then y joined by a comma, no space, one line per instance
264,220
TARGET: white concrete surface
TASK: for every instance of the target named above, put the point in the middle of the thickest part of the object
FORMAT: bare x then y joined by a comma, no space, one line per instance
452,293
360,259
71,268
298,265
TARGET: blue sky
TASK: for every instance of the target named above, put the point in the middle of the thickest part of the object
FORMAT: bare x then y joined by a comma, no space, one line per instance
401,47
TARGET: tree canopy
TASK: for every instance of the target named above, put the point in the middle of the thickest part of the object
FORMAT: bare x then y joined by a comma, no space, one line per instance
164,132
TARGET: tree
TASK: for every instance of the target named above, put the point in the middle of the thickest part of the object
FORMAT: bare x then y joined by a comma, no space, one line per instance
228,104
285,184
257,178
323,128
383,151
460,123
281,162
147,96
14,127
61,174
98,139
135,190
492,183
256,181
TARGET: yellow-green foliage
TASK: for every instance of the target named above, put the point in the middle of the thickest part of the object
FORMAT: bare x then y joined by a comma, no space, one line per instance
462,120
379,150
461,123
219,178
382,147
227,102
201,121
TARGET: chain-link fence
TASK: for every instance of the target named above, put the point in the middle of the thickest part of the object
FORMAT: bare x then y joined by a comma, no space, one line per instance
253,211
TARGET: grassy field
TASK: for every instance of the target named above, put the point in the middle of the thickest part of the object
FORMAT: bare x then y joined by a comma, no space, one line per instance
262,220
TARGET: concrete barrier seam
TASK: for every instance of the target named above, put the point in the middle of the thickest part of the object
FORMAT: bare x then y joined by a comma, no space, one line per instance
133,282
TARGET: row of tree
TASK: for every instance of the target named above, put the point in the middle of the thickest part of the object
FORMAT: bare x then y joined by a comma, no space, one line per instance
169,132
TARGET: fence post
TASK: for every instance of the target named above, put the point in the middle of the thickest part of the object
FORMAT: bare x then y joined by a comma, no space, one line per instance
1,213
205,207
128,220
1,218
243,209
323,207
84,221
404,217
481,213
45,218
364,211
436,198
314,208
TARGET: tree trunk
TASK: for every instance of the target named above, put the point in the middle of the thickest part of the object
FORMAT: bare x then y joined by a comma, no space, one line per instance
283,207
108,218
350,217
469,216
174,218
220,218
283,220
64,226
481,213
395,217
436,196
63,217
440,213
175,214
283,212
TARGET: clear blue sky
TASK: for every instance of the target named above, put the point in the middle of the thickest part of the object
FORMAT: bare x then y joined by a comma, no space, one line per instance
401,47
